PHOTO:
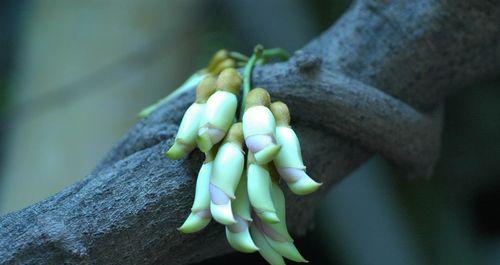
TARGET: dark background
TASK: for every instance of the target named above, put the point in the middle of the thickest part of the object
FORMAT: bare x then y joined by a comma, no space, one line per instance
73,76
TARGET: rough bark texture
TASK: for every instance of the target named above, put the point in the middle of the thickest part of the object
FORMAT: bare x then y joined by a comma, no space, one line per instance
373,82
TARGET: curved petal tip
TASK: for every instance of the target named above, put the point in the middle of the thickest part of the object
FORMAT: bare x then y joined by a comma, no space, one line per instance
304,186
222,213
177,151
194,223
267,154
241,241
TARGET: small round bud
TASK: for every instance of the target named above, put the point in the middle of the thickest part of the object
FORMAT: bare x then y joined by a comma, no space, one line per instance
281,113
235,134
218,57
229,80
218,68
205,89
257,97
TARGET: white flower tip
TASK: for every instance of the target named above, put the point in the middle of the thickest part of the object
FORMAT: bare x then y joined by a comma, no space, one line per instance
241,241
287,250
298,181
267,154
178,150
304,186
222,213
269,217
194,223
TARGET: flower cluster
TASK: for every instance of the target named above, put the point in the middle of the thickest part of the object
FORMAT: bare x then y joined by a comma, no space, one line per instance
238,183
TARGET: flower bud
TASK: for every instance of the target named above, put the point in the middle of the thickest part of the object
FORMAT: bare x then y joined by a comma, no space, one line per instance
217,58
265,250
226,174
200,212
227,63
241,205
185,141
259,126
259,191
238,235
220,110
289,161
277,235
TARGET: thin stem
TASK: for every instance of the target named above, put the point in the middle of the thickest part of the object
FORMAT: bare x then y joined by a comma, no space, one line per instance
275,53
238,56
259,56
247,78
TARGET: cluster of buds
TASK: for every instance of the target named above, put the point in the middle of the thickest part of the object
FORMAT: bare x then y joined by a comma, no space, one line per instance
238,184
222,59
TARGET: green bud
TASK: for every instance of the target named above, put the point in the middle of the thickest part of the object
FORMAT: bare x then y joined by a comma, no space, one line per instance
265,250
185,141
259,191
282,242
241,205
229,80
226,64
205,89
218,57
202,195
279,203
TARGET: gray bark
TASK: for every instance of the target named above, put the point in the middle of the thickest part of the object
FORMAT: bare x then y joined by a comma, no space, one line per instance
373,82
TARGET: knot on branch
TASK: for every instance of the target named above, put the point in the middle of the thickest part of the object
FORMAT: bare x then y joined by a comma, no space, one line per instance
306,62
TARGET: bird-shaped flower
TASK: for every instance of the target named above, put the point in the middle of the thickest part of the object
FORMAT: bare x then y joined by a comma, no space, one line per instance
288,161
238,234
277,242
185,141
220,110
259,126
259,190
200,212
226,173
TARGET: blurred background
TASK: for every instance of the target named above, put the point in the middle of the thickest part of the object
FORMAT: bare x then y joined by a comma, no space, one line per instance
74,74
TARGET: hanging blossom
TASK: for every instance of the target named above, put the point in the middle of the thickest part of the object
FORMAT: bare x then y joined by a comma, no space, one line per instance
238,184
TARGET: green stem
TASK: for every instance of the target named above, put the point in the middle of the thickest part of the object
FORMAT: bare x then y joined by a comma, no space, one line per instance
247,79
238,56
259,55
275,53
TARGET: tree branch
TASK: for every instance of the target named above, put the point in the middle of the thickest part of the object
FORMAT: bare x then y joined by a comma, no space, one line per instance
359,88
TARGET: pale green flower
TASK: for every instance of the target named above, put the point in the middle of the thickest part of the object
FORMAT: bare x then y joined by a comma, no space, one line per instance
220,110
288,161
200,212
226,174
259,126
185,141
259,190
238,235
265,250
